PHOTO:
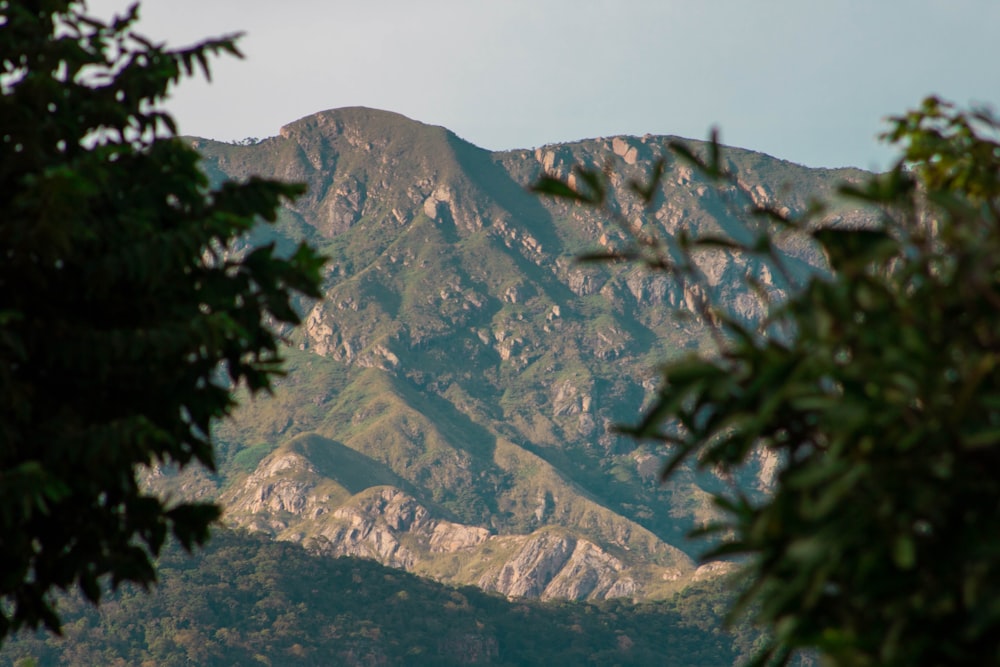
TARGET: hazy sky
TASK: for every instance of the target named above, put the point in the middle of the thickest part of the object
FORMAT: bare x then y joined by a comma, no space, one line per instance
804,80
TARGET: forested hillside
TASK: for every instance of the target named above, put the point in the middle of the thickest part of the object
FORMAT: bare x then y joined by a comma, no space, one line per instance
247,600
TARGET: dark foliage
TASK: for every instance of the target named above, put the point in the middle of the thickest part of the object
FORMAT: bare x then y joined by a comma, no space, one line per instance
125,313
878,385
246,600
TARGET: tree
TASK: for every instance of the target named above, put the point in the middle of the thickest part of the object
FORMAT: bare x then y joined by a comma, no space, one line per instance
877,382
128,310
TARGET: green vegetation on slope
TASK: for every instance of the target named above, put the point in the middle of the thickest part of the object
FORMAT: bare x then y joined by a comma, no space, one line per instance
461,345
245,600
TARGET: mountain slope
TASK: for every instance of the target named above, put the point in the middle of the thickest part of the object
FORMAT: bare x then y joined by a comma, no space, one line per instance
473,367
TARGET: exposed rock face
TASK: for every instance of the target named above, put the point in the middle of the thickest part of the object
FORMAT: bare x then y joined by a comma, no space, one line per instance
281,490
341,208
288,497
374,523
713,570
472,367
535,565
591,572
621,148
451,537
371,529
438,202
551,565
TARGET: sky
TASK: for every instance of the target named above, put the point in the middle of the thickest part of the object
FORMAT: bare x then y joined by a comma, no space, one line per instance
809,81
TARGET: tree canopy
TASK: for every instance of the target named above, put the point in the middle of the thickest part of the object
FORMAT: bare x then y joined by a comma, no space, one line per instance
877,382
129,307
246,599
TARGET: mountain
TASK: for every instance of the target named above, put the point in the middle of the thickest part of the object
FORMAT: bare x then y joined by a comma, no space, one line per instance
448,403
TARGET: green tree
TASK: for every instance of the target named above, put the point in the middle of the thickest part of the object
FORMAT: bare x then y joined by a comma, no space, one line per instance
128,309
877,382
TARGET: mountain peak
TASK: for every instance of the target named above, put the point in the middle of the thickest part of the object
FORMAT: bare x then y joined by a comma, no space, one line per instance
360,121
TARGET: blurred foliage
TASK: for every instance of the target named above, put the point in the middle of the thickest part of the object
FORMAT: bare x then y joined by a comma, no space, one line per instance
129,307
877,383
245,600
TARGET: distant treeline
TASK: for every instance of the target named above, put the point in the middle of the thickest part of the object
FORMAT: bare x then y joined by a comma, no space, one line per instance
245,601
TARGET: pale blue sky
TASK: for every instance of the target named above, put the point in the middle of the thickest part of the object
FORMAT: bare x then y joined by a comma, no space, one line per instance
803,80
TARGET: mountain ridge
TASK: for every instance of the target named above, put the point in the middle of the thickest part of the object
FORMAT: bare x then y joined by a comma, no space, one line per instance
476,366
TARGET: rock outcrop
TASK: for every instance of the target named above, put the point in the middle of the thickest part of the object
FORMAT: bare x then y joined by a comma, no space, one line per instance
289,498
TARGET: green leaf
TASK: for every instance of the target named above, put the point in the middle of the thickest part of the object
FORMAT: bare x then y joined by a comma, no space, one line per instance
592,178
609,256
555,187
904,552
